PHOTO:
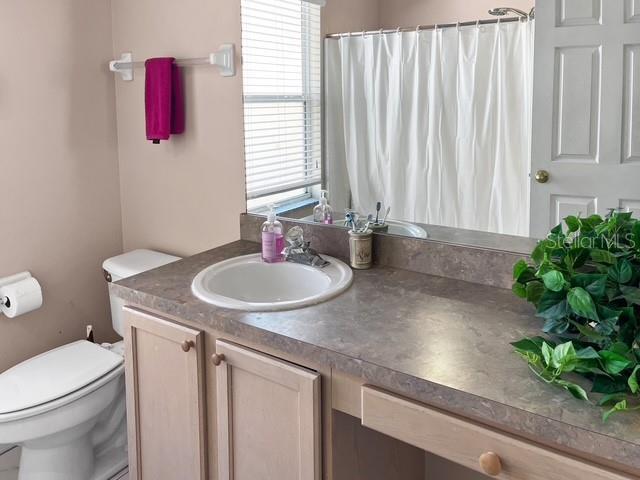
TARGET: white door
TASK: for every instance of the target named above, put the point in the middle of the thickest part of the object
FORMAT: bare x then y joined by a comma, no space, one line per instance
586,109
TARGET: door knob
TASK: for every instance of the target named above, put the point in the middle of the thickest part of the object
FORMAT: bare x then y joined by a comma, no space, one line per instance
542,176
490,463
187,345
217,358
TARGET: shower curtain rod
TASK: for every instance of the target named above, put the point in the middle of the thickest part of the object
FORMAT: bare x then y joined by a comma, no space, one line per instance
383,31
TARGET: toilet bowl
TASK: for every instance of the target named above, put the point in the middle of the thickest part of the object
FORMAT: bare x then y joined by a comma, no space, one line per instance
51,406
66,407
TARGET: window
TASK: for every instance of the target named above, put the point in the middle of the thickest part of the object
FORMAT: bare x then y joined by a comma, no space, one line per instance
281,63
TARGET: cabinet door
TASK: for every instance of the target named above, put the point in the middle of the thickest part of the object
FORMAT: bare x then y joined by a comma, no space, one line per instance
268,417
165,399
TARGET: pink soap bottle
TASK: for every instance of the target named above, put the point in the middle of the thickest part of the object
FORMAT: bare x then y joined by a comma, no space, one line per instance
323,213
272,238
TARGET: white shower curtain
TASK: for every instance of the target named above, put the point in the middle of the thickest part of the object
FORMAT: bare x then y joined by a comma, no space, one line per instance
435,124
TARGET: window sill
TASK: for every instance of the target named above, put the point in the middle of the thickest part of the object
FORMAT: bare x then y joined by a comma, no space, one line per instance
288,207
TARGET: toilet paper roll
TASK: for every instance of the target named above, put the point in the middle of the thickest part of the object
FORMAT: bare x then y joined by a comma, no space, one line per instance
23,297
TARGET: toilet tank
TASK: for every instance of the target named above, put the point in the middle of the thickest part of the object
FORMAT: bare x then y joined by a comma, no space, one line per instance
126,265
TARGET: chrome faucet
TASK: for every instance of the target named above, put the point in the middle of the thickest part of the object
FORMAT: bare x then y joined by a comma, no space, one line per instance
300,251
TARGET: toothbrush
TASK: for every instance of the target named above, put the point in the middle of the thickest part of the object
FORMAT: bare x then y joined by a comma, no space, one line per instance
378,207
384,219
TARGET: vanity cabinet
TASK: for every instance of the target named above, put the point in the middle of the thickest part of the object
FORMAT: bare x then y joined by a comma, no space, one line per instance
469,444
267,416
238,413
165,399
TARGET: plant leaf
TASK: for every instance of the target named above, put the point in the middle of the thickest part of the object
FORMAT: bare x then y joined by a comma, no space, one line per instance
587,353
519,289
620,348
631,294
588,332
576,258
533,345
573,223
581,303
534,292
553,305
608,319
594,283
538,253
621,406
564,357
547,353
557,230
519,268
635,231
576,390
554,280
621,272
603,256
633,380
556,326
611,398
608,385
613,362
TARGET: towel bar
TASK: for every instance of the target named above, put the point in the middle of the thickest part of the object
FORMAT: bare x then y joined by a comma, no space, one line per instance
224,59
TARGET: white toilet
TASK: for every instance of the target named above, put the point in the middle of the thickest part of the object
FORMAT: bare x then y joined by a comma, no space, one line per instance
66,407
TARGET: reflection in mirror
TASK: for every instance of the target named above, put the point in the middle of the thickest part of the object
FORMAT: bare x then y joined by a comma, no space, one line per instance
425,118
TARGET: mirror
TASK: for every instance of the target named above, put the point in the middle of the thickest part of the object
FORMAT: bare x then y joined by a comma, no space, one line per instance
439,119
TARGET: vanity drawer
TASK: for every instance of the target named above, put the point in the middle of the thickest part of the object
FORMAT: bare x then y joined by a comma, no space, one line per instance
464,442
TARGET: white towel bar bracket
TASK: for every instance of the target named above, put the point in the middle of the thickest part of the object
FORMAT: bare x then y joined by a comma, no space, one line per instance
224,59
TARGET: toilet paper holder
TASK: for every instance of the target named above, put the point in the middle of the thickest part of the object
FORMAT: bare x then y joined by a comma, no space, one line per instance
5,301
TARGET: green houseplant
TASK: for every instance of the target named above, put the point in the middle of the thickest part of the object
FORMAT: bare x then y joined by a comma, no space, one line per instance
584,282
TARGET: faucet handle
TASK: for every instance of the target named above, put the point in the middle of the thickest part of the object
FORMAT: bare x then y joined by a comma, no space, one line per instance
295,236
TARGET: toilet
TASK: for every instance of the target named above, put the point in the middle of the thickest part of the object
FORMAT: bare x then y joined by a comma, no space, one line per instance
66,407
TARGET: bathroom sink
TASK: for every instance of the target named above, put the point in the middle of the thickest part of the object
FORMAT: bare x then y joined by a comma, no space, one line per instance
398,227
247,283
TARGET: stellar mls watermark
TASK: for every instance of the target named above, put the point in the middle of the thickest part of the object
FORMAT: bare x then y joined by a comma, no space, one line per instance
599,242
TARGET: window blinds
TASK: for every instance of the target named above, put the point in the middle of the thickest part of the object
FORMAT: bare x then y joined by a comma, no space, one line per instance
281,64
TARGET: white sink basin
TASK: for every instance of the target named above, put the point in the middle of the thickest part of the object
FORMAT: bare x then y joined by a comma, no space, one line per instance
247,283
398,227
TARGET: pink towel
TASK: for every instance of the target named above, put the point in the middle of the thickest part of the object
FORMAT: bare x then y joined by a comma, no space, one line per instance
164,99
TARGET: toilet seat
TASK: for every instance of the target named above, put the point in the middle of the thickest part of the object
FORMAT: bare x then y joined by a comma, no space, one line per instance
56,378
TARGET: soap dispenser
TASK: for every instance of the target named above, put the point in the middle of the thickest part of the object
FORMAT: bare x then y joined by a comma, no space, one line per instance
323,213
272,238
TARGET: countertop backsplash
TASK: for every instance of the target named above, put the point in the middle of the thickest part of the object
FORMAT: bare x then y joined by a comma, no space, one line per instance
473,264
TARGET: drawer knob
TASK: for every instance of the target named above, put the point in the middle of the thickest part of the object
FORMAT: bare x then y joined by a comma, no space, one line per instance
217,359
490,463
187,345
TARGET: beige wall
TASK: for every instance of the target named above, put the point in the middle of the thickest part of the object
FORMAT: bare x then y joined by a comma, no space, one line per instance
408,13
350,15
185,195
59,196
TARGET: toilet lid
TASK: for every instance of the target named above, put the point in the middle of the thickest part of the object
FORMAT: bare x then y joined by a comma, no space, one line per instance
54,374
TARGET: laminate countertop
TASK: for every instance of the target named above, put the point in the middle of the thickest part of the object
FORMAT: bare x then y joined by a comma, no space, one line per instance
440,341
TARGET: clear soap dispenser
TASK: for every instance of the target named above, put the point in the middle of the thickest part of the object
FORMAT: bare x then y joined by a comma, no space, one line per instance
323,213
272,238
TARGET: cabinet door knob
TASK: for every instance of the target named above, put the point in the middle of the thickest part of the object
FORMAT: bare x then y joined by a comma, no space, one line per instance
542,176
217,358
187,345
490,463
